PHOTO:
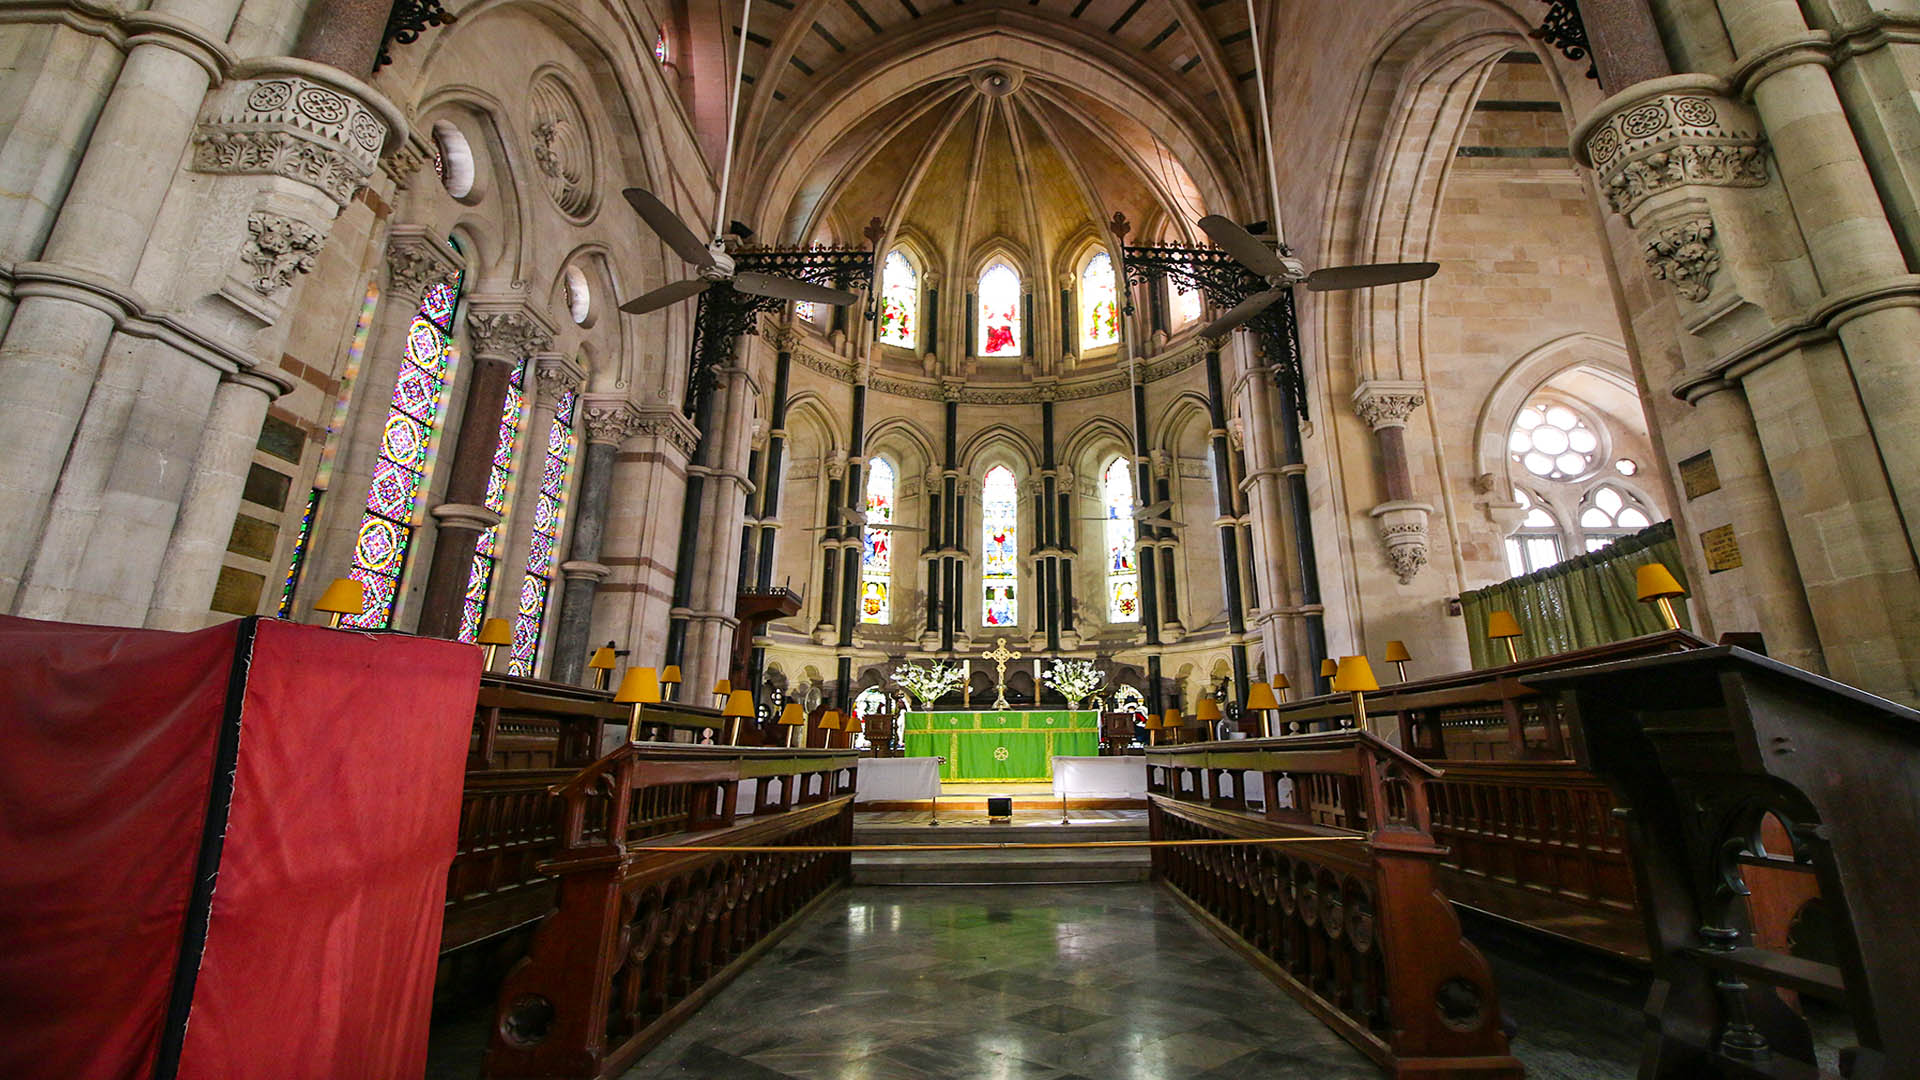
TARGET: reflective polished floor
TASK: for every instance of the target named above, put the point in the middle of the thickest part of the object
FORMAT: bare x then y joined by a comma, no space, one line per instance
1056,982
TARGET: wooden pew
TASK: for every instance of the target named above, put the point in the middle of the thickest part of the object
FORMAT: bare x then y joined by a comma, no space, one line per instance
639,939
1354,927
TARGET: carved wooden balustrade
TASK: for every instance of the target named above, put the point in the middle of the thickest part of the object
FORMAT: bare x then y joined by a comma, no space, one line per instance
1354,926
638,939
1529,833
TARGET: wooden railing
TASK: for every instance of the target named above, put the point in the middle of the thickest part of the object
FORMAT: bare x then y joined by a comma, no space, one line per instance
1354,926
639,938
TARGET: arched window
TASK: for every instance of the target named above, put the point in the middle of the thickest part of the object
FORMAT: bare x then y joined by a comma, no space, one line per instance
1535,545
1123,576
869,702
999,561
999,294
1607,515
899,302
406,445
876,551
1099,309
804,309
487,551
1186,303
549,513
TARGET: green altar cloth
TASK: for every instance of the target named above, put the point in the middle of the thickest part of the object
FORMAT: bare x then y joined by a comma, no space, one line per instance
1017,747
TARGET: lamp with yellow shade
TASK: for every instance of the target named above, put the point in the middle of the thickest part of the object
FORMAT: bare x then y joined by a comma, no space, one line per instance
493,634
721,689
345,596
793,718
1171,721
601,664
670,679
1502,626
1398,655
1208,713
1152,724
1260,699
831,721
739,706
639,687
1356,678
1329,668
1654,582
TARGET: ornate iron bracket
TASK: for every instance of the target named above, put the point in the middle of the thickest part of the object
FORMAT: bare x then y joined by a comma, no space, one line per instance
1225,284
1563,29
725,312
406,22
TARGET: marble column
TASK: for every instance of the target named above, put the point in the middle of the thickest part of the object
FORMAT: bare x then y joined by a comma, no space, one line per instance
501,337
1143,542
191,565
607,426
1228,523
1385,405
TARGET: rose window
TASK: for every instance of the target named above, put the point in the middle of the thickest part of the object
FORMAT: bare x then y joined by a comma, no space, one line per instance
1553,442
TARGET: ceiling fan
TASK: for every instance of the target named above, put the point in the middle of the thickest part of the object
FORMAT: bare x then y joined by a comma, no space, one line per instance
1158,514
712,265
859,517
1266,258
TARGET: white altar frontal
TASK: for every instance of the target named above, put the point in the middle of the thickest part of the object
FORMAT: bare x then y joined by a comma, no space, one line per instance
1100,778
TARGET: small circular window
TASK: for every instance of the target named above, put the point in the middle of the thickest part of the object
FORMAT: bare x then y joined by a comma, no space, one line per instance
1553,442
579,296
453,159
1626,466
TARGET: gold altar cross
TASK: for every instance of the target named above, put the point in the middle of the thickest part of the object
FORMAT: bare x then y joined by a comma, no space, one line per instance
1000,654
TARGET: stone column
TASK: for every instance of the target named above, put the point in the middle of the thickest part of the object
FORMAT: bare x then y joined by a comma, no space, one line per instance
1385,405
1162,466
710,617
1227,523
1143,544
826,631
856,493
501,336
607,426
191,565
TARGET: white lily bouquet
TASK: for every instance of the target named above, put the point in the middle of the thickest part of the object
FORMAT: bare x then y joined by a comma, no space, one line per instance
1075,680
929,682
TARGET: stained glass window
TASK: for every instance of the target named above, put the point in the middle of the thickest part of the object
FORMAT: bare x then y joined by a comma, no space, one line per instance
899,302
486,554
999,559
1099,311
999,295
1552,441
1186,303
406,452
549,512
1123,575
660,47
804,309
299,555
876,555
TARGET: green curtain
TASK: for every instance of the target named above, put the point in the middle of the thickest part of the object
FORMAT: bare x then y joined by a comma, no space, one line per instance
1586,600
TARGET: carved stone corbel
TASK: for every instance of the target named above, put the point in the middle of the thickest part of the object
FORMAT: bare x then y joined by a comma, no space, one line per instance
415,260
1385,405
1403,531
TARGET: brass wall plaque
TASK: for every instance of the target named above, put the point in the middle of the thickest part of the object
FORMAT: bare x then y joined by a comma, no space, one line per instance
1698,476
1722,550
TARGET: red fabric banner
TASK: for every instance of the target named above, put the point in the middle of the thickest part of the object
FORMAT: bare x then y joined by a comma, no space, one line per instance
331,848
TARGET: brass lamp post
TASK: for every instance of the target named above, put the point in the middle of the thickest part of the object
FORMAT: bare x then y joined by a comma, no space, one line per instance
1398,656
639,687
739,706
345,596
1656,583
493,634
601,665
1260,699
1356,678
1502,626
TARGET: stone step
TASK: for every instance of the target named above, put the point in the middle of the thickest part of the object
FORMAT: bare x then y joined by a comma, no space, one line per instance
994,834
1006,867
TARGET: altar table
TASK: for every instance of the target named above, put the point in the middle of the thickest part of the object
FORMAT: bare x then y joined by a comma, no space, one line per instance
1106,777
1015,746
898,779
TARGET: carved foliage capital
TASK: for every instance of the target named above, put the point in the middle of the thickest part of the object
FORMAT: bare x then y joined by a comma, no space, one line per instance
510,333
1403,531
278,248
611,422
415,260
290,126
1684,253
1384,404
1645,143
556,375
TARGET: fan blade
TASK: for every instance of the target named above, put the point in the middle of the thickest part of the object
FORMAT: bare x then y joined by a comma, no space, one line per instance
668,227
749,281
1244,310
1245,248
1154,510
664,295
1366,276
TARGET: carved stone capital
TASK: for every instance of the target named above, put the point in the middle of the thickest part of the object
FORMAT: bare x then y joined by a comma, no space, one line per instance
781,336
583,570
465,516
415,260
1403,531
611,422
837,465
512,332
1684,253
1669,133
672,426
557,374
1386,403
290,125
